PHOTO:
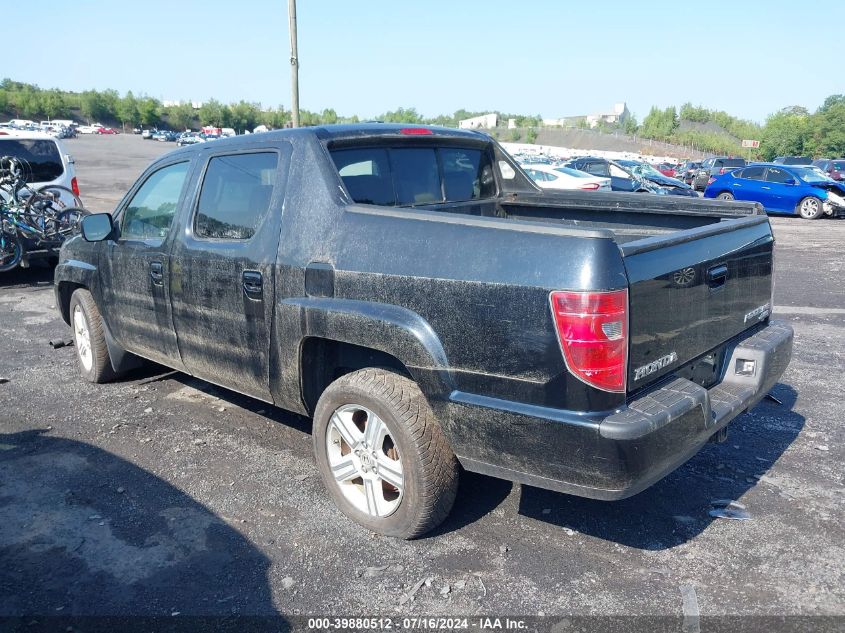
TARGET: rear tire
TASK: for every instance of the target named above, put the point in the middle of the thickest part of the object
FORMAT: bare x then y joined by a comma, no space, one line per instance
810,208
725,195
89,338
382,454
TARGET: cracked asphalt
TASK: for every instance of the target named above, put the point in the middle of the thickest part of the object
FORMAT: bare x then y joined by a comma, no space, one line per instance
159,494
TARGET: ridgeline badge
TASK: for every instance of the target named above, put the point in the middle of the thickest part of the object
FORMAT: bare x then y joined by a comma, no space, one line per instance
758,313
660,363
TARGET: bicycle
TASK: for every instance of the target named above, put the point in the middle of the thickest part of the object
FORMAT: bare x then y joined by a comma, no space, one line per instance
42,215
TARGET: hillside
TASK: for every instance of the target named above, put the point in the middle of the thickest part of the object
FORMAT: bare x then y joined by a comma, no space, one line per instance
576,138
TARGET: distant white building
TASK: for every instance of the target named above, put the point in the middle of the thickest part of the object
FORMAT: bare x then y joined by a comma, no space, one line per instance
619,114
486,121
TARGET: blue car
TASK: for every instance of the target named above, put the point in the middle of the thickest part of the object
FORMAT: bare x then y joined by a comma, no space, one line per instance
790,189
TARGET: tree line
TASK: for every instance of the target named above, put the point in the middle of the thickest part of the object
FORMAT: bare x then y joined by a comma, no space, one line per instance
791,131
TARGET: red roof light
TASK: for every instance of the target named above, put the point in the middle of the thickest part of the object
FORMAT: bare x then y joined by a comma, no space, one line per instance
415,131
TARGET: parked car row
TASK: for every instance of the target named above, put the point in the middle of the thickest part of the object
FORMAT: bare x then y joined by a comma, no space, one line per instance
97,128
56,129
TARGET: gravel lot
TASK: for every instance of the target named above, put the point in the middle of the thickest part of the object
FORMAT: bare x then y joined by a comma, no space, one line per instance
161,495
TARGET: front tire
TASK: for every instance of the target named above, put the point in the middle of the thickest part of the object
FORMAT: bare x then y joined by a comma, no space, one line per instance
725,195
89,338
382,454
810,208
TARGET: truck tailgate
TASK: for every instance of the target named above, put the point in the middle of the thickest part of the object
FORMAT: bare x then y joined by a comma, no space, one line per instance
692,291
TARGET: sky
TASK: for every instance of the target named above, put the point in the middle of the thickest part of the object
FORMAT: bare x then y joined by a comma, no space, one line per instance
553,58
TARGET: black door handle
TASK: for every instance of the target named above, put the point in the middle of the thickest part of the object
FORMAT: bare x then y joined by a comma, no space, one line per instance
157,273
253,284
717,276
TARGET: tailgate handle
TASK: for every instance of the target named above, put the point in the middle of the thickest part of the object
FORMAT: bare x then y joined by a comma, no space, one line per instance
717,276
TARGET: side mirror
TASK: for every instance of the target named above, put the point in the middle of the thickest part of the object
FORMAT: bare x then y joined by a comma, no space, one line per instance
789,181
97,227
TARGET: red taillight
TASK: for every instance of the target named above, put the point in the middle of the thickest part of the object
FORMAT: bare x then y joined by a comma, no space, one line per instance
721,171
592,328
591,187
415,131
74,186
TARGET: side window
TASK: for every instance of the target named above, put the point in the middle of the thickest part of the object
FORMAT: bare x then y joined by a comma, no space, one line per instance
751,173
778,175
614,171
235,195
150,212
597,169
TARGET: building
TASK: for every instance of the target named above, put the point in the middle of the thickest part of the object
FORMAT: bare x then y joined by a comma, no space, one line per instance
619,114
486,121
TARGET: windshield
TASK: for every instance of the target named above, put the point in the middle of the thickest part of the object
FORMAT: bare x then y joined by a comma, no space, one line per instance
645,170
809,175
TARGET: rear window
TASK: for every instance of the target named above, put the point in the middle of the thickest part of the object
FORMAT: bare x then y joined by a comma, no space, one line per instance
731,162
839,165
42,159
409,176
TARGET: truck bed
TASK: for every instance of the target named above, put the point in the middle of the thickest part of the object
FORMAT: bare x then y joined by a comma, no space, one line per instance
626,217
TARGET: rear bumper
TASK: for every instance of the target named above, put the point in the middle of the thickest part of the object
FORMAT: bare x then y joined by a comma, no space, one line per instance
621,453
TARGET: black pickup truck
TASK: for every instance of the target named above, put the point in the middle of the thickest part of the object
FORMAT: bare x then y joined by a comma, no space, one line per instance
412,291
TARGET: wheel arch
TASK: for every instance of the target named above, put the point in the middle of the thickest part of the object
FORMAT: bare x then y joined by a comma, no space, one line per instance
64,291
340,335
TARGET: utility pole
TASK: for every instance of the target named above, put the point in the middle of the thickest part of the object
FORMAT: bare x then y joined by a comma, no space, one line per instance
294,64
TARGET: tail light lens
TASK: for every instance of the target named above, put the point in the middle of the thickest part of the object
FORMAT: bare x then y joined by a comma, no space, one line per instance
74,186
592,328
722,171
591,187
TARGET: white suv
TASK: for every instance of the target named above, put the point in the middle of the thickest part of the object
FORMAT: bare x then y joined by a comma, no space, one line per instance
48,161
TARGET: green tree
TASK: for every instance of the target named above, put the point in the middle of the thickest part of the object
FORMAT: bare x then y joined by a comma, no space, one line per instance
52,104
402,115
92,106
109,100
149,111
182,116
4,99
244,115
531,135
784,135
27,102
211,113
630,125
328,116
127,110
515,135
826,129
